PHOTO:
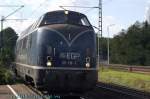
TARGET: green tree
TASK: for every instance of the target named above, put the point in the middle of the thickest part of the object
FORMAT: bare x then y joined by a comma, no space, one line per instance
132,46
102,47
9,41
7,55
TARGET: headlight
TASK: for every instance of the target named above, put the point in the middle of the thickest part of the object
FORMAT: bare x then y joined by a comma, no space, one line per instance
49,63
49,59
87,62
66,12
87,65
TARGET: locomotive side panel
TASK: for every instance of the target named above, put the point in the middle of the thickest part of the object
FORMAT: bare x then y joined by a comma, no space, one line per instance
26,55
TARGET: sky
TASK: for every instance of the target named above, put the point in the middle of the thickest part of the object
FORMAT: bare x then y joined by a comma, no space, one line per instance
121,13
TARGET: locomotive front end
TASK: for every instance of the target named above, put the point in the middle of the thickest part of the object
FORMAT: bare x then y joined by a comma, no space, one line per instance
67,52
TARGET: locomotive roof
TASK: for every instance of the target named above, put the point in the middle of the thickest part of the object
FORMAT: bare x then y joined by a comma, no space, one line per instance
71,12
30,28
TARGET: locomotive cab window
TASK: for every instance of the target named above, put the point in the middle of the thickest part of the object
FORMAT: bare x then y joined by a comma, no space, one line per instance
84,21
50,18
63,18
77,19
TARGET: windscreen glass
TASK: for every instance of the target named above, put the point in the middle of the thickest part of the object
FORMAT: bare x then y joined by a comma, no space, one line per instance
62,18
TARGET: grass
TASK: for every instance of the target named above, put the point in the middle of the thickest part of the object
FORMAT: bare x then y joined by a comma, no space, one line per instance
131,80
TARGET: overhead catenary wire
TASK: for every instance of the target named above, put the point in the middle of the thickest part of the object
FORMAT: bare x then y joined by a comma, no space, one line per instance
40,5
9,5
14,11
89,8
17,19
78,6
3,18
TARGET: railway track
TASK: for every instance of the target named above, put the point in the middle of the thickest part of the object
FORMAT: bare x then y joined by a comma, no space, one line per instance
123,92
101,91
39,93
47,95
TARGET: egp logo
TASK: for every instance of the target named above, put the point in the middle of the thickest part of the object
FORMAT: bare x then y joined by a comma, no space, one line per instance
70,55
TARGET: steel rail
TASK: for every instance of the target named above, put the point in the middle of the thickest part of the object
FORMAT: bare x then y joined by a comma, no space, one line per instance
41,95
124,91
